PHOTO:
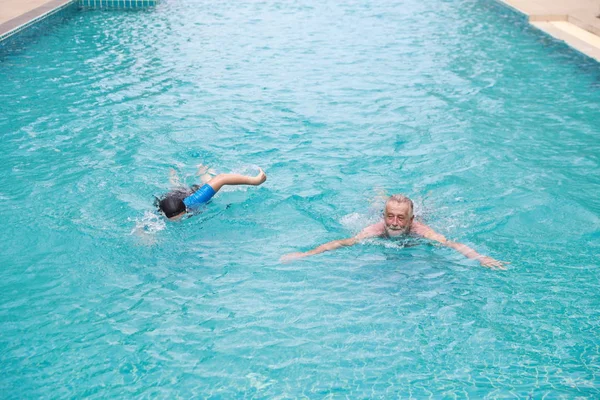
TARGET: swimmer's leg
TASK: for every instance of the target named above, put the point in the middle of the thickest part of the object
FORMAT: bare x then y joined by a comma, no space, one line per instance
174,178
234,179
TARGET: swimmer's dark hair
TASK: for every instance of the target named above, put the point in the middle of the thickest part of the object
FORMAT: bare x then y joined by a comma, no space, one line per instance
171,204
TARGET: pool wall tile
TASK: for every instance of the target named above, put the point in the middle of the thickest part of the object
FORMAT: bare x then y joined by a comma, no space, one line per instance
117,4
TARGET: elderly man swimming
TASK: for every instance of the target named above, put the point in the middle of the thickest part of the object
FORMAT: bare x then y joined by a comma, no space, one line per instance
398,220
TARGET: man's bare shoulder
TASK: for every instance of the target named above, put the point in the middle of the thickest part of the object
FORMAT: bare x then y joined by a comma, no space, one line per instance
420,229
374,230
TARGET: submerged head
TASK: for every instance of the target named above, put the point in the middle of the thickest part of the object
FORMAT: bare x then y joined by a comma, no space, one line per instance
172,205
398,215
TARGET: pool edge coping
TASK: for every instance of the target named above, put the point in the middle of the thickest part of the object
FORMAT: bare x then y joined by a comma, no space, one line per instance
542,22
24,21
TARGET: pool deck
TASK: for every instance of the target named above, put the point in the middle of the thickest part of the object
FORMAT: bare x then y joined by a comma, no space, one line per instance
17,13
575,22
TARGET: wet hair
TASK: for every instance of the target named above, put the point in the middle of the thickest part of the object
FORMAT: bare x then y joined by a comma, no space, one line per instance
402,199
172,204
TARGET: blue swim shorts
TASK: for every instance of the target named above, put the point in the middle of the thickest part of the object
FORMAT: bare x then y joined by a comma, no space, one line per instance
200,196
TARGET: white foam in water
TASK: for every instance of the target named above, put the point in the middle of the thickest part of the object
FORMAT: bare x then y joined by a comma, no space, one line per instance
356,222
378,201
259,381
147,227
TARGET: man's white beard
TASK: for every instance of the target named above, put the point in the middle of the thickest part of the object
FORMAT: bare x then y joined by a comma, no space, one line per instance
397,232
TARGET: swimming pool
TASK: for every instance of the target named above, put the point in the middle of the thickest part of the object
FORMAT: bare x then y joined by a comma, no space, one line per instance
491,127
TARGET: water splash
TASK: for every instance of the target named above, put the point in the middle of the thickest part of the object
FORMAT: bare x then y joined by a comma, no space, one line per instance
147,227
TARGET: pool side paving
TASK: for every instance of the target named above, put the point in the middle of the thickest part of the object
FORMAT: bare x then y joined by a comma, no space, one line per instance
575,22
18,15
15,14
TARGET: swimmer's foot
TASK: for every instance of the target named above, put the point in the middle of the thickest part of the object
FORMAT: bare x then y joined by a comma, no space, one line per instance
205,173
174,178
205,178
202,169
258,179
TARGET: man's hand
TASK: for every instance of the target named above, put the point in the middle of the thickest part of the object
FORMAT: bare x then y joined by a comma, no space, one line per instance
291,257
489,262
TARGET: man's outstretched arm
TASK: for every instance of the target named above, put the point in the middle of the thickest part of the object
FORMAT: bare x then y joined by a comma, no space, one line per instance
368,232
428,233
335,244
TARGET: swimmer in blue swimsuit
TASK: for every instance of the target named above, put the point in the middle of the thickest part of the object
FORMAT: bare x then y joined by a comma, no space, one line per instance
177,203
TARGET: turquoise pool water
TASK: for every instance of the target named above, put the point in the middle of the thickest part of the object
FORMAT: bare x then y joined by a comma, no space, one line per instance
491,127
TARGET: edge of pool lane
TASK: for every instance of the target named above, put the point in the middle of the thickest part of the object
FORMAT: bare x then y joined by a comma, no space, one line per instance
574,22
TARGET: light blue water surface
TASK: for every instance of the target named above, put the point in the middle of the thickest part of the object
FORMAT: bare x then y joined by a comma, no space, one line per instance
491,127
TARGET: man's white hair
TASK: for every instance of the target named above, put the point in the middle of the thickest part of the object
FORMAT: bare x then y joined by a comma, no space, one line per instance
401,199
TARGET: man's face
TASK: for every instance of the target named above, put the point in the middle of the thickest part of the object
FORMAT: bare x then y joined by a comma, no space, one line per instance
398,218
